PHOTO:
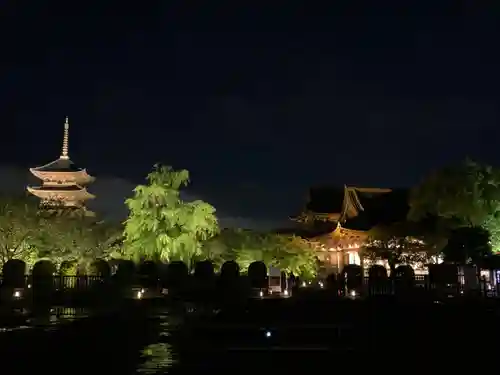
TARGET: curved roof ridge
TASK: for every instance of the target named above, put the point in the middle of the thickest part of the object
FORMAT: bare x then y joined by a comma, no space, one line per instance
59,165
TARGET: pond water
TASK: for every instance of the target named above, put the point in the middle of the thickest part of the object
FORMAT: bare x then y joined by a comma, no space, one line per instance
142,338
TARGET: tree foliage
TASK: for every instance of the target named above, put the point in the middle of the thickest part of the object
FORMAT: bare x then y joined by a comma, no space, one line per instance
468,245
160,225
79,239
463,195
289,253
27,235
20,229
403,243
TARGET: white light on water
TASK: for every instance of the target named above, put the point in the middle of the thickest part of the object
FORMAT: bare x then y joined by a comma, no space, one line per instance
261,293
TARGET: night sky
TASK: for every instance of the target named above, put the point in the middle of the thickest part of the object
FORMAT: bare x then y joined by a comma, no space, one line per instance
257,102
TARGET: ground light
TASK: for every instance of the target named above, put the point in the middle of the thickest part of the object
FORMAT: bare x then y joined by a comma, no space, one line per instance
17,294
268,334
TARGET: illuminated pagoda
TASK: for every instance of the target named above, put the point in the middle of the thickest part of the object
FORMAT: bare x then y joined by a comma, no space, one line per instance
339,219
63,183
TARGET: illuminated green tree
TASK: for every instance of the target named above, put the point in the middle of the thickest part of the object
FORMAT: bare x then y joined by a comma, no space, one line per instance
296,255
20,229
78,239
254,246
289,253
161,225
464,195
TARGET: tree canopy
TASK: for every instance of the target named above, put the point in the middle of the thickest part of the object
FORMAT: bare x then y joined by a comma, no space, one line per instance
20,229
463,195
291,254
28,236
80,239
468,245
161,226
401,243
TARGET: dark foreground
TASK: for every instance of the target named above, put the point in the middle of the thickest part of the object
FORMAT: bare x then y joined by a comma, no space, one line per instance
268,336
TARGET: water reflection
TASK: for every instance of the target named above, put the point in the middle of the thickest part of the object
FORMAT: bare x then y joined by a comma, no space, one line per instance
55,315
158,357
19,319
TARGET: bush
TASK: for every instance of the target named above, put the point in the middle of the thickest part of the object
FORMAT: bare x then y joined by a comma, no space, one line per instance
177,274
331,282
14,273
125,272
43,269
352,276
377,273
230,270
204,270
148,272
404,277
43,282
229,281
257,274
443,274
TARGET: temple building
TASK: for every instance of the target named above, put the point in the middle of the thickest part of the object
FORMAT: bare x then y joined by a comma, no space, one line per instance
63,183
339,220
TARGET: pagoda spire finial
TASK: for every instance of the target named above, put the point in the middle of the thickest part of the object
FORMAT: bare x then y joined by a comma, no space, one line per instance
64,154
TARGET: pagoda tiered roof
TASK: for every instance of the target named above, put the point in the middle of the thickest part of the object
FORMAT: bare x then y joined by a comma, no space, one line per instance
67,193
59,165
63,182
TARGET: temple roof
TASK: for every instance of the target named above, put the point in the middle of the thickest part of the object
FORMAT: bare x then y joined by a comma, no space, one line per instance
336,204
379,209
59,165
325,199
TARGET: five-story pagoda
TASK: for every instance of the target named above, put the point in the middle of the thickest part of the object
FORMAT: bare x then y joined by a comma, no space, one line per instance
63,183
